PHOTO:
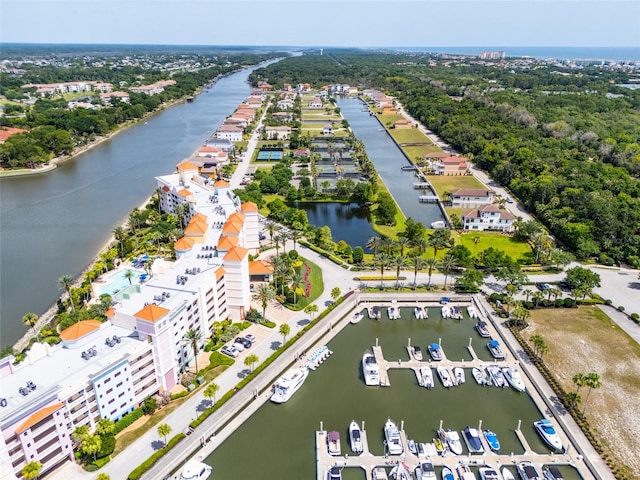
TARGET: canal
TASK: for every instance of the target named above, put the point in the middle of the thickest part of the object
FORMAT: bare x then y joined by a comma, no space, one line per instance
54,224
279,441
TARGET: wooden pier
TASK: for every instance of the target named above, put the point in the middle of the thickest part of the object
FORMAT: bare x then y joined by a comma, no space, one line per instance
421,185
428,199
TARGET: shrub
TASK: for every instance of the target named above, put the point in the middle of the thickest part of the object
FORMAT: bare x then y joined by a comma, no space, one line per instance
176,396
137,473
569,302
127,420
559,302
108,445
608,302
293,254
149,405
101,462
621,308
268,323
606,260
528,304
635,317
52,340
216,359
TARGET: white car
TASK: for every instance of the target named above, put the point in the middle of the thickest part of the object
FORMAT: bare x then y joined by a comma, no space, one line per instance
231,351
238,346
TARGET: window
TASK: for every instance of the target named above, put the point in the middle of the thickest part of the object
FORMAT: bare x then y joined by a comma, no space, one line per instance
117,374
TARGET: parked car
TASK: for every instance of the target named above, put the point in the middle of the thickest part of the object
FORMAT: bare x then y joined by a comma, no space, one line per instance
543,287
509,200
230,350
238,346
250,338
243,341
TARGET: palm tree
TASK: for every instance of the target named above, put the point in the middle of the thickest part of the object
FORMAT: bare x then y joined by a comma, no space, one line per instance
164,429
418,263
194,337
65,282
181,212
276,241
537,297
30,320
285,329
271,228
579,380
398,261
264,294
295,236
372,244
158,193
119,233
403,243
387,244
250,360
430,264
281,270
296,279
105,426
335,293
211,391
91,445
421,244
312,308
31,470
129,274
447,266
593,381
383,262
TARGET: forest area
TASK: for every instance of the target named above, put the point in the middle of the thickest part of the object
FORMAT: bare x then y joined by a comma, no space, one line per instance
565,142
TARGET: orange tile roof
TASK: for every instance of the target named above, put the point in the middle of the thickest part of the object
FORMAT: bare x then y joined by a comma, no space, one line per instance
184,192
260,267
184,244
39,415
249,207
80,329
152,313
221,184
236,253
201,217
197,227
227,243
208,149
231,227
220,273
111,312
236,217
187,165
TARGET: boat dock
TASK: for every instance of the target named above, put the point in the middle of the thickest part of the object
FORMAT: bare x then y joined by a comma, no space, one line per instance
421,185
384,374
368,461
428,199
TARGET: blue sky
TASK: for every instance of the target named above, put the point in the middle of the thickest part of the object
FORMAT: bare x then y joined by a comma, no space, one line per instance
358,23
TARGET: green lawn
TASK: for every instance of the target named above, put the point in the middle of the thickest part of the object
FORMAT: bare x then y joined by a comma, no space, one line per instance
446,183
516,249
317,286
389,120
417,153
409,135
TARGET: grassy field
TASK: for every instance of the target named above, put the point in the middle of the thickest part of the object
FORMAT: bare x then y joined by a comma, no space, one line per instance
409,135
416,153
389,120
585,340
516,249
317,287
446,183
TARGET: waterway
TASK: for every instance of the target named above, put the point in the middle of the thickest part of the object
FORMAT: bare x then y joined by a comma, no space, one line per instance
279,439
54,224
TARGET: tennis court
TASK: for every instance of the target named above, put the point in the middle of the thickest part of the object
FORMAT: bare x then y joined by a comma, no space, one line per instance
267,155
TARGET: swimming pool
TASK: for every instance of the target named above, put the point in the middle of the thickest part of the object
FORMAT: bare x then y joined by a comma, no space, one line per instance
117,281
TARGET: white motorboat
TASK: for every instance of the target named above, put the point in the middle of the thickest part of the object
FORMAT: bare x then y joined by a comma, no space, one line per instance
552,473
458,375
445,377
456,313
528,471
492,440
447,473
334,473
445,311
401,472
483,329
393,312
495,349
425,312
411,445
435,350
497,378
425,471
355,437
370,369
333,443
357,317
506,474
392,436
547,431
488,473
194,470
478,376
512,376
418,313
288,384
471,437
379,473
417,353
465,473
452,439
374,313
438,224
426,374
471,311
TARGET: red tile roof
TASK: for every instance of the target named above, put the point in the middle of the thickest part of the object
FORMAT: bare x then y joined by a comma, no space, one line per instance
260,267
80,329
236,253
151,313
39,415
249,207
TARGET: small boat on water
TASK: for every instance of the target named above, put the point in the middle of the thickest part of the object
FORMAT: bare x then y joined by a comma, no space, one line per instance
497,378
456,313
512,376
452,439
194,470
401,472
445,377
374,313
425,312
547,431
438,224
495,349
370,369
492,440
458,375
447,473
418,313
488,473
478,376
465,473
392,436
471,311
408,168
411,445
417,353
393,313
355,437
439,445
435,350
483,329
357,317
333,443
471,437
334,473
446,311
528,471
288,384
426,374
506,474
552,473
379,473
425,471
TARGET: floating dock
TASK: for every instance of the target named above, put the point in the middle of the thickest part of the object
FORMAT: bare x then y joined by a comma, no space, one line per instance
428,199
421,186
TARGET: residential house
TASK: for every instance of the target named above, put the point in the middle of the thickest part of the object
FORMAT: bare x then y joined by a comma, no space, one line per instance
106,98
285,104
316,103
230,132
279,132
327,129
402,124
451,166
489,217
471,197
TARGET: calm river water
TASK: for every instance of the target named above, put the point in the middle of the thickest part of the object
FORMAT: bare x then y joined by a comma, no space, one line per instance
279,441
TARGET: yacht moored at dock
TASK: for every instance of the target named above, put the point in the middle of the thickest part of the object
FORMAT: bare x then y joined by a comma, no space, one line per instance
370,369
552,473
472,439
194,470
492,440
355,437
445,377
435,350
479,376
392,436
488,473
483,329
333,443
465,473
471,311
426,375
528,471
334,473
425,471
548,433
497,378
357,317
447,473
379,473
506,474
288,384
512,376
496,350
458,375
452,439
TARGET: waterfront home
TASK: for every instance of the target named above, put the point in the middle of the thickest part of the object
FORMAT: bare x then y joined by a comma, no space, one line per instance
222,143
283,116
471,197
279,132
230,132
285,104
389,110
489,217
316,103
451,166
327,129
402,124
106,98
